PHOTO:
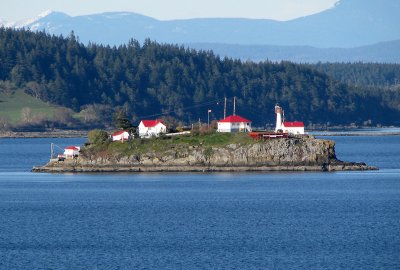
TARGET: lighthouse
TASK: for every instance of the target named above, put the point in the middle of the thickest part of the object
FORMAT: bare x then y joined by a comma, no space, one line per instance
296,128
279,118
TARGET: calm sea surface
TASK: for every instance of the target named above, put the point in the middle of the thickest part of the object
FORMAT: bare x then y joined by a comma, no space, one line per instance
343,220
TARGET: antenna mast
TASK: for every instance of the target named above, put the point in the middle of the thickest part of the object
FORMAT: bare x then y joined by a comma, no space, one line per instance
234,105
225,107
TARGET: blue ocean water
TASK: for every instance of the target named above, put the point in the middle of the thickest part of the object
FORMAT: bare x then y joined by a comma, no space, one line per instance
342,220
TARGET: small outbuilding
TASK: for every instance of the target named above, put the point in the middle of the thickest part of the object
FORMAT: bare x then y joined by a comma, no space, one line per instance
234,123
71,151
122,136
151,128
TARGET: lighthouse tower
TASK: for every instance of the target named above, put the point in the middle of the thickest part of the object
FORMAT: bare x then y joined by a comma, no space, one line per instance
279,118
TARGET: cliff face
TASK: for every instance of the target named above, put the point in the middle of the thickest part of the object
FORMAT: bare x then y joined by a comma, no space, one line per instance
279,154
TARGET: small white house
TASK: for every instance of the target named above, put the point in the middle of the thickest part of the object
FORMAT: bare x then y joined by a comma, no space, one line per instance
120,136
71,151
293,127
151,128
234,123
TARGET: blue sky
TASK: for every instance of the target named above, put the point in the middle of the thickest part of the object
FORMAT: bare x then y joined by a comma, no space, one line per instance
14,10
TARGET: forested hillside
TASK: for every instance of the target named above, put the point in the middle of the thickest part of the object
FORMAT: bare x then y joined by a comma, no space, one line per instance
153,80
362,74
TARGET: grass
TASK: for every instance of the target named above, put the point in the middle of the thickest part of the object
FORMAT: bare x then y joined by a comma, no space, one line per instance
12,103
213,139
162,144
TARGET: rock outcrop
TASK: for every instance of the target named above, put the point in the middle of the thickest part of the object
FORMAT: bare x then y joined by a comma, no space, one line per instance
294,154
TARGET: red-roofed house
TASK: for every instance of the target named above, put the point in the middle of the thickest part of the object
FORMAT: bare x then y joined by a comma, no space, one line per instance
71,151
234,123
151,128
293,127
121,136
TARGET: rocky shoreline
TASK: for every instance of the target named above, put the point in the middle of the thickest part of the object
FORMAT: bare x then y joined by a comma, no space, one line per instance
45,134
126,169
294,154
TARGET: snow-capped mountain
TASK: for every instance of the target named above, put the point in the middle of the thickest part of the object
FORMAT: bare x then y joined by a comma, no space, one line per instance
350,23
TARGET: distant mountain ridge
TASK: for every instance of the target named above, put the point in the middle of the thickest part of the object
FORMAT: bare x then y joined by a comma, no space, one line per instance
352,31
351,23
384,52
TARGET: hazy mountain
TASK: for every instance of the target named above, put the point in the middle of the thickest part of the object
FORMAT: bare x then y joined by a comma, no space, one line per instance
350,23
384,52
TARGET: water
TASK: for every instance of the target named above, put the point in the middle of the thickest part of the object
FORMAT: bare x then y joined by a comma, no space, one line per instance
343,220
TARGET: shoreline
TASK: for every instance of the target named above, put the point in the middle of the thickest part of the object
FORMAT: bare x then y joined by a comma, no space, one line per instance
83,133
45,134
290,154
355,134
117,168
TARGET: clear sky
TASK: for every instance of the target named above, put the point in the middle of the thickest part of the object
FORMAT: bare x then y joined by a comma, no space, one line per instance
14,10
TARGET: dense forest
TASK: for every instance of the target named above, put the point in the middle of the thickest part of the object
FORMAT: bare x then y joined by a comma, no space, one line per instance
153,80
362,74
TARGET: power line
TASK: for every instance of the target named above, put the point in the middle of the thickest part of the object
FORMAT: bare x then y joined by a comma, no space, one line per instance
203,104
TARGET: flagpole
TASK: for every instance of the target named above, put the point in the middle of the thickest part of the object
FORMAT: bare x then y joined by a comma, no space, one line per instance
208,118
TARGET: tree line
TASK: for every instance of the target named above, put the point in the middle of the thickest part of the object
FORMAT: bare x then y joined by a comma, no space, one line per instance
152,80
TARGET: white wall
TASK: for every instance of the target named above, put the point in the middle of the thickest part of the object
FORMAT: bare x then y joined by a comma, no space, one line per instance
124,136
233,127
294,130
146,132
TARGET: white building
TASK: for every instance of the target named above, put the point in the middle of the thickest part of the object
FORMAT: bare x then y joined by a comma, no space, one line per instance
234,123
71,151
293,127
287,127
121,136
151,128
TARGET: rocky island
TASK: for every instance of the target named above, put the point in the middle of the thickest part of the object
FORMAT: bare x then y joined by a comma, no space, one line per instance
214,152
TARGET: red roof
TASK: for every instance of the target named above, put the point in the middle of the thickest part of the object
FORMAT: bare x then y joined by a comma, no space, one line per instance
234,119
71,148
151,123
293,124
119,133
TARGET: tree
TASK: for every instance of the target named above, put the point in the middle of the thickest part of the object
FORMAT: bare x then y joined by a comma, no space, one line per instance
34,89
98,136
121,120
4,123
26,115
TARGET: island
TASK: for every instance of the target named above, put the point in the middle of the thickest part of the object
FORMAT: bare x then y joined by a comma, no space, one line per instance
212,152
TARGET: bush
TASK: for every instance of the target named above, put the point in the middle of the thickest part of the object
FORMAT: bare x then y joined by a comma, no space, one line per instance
98,136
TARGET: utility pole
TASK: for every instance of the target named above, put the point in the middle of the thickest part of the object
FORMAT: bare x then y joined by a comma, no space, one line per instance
225,108
234,105
208,118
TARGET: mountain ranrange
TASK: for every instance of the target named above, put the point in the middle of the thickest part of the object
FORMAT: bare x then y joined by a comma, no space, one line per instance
353,30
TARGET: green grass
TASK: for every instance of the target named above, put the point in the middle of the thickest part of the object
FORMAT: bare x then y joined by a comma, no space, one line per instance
213,139
12,103
162,144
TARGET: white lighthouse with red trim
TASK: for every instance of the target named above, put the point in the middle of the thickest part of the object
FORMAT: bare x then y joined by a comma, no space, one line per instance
287,127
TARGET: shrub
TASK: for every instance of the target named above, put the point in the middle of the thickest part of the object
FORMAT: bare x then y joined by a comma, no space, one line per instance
97,136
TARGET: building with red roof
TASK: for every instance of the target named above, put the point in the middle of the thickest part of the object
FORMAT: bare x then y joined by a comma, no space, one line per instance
287,127
71,151
151,128
293,127
234,123
122,136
